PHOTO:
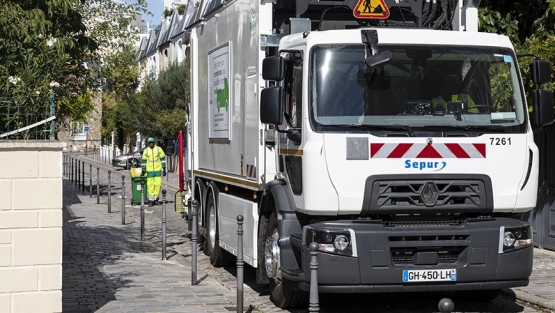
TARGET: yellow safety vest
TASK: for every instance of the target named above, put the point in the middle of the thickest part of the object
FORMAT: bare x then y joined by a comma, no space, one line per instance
154,160
463,97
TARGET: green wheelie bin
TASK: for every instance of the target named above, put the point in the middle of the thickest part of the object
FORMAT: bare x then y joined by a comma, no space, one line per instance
136,179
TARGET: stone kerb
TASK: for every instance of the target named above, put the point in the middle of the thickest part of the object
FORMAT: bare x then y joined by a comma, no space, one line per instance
31,226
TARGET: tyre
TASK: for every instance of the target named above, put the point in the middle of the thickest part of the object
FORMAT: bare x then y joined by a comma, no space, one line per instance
218,256
478,295
284,293
200,193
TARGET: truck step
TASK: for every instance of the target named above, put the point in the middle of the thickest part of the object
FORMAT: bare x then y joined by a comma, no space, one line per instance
292,271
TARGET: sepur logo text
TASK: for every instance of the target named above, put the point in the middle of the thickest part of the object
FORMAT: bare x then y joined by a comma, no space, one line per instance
426,165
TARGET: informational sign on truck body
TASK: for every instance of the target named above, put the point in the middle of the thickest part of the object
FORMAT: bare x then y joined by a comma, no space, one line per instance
219,92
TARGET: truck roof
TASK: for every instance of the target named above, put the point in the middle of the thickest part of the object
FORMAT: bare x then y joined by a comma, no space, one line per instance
402,36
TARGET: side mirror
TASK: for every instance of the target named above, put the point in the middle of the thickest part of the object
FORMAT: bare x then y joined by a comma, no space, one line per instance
273,68
543,107
271,101
541,71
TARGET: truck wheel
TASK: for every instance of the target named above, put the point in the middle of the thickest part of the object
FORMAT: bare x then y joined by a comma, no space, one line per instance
284,293
478,295
200,195
218,256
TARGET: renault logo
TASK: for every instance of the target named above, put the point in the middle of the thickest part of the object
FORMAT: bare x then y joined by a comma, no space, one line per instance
429,194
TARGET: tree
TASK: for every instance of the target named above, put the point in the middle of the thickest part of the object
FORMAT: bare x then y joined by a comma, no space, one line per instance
43,46
531,27
161,110
518,19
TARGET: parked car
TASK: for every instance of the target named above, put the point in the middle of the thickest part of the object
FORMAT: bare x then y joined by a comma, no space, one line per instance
129,160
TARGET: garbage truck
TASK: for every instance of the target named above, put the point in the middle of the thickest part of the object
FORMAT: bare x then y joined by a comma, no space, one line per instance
392,133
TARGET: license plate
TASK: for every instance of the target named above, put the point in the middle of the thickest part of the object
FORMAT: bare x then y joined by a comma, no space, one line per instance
410,276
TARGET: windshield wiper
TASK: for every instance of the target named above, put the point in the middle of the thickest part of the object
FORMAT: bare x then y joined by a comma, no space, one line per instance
496,128
407,129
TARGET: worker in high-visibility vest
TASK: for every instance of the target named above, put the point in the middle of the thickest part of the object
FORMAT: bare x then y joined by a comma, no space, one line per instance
439,101
449,86
154,167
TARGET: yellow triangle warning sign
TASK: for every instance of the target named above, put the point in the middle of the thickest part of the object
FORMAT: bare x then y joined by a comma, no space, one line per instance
371,9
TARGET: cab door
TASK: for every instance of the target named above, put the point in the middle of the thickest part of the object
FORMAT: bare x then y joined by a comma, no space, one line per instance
290,144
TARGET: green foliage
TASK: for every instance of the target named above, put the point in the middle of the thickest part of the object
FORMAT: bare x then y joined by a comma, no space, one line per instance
494,22
109,22
121,71
533,18
181,9
167,12
545,50
531,27
43,46
161,108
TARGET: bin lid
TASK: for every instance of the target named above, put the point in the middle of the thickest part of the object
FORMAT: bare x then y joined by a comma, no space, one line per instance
135,171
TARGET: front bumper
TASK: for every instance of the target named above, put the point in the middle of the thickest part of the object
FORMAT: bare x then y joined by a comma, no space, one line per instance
119,163
383,253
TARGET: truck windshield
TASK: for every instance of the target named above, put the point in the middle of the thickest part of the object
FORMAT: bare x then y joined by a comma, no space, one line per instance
420,87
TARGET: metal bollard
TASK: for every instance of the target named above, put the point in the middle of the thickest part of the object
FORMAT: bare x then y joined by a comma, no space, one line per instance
97,185
194,244
164,224
240,264
313,306
90,180
71,168
78,180
109,191
142,210
83,176
123,199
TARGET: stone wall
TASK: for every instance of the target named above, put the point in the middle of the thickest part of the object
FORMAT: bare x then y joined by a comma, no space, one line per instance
31,226
94,120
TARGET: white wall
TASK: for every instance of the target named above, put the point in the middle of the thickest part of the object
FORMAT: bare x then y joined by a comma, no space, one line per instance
31,226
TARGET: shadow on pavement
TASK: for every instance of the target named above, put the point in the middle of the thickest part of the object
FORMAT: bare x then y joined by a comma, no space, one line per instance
87,249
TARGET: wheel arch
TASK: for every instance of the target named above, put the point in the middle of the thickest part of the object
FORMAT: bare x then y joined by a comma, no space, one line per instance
279,198
200,194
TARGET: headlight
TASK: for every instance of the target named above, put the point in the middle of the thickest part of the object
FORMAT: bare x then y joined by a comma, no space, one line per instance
513,238
338,241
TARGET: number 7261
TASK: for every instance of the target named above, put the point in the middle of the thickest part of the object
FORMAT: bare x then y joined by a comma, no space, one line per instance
500,141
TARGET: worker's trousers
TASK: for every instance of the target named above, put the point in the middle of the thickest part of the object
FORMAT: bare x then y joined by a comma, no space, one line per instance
154,184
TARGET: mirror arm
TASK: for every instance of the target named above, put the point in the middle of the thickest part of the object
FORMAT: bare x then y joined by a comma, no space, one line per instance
518,55
288,131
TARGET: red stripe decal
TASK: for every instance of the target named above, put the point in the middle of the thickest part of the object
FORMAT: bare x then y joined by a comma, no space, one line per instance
457,150
374,148
481,147
399,151
429,153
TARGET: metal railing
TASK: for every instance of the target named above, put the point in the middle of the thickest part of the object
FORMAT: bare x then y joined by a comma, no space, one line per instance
27,121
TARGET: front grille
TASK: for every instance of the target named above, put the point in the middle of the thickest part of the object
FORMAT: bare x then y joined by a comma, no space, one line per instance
429,238
460,195
408,256
423,221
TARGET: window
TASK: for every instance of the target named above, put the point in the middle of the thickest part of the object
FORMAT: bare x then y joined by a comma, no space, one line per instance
294,92
421,86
